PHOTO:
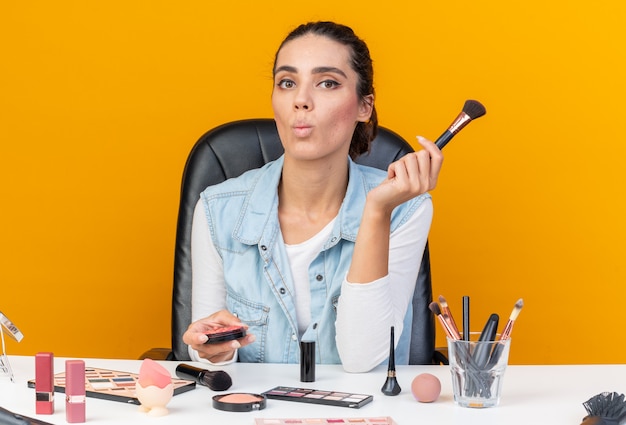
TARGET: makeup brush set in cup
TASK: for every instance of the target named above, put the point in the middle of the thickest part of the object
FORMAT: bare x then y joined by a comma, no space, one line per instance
477,361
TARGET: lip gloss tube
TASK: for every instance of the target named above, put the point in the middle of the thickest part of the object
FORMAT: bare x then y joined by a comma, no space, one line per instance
75,391
44,383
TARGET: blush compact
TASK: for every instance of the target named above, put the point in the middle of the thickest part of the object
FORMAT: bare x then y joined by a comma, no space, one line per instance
239,402
228,333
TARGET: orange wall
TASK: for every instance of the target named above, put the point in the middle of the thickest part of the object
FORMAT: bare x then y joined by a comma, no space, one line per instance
101,101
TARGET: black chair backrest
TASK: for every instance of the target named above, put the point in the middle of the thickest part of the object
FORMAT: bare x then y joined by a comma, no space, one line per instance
233,148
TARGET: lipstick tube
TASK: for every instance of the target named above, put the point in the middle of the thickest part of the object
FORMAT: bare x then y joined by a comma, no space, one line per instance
75,391
44,383
307,361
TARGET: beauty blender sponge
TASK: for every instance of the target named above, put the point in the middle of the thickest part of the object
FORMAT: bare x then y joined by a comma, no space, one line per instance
152,373
426,388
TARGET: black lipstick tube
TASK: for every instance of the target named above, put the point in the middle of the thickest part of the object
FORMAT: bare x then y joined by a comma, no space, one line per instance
307,361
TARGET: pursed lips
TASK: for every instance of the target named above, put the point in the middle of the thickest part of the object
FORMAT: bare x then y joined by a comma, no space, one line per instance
302,130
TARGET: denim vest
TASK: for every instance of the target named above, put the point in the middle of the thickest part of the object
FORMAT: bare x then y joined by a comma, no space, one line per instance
243,220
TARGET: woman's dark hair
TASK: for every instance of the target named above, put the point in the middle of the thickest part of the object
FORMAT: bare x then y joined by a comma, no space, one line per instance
361,63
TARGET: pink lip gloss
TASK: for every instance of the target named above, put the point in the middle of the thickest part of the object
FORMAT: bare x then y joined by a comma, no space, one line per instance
75,391
44,383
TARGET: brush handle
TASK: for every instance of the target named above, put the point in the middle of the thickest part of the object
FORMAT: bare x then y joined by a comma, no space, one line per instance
444,139
495,355
481,354
192,373
466,318
459,123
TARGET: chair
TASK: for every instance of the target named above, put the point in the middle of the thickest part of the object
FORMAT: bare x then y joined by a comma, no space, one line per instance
228,151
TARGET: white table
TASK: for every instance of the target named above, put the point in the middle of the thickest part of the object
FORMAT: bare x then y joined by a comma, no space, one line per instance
531,395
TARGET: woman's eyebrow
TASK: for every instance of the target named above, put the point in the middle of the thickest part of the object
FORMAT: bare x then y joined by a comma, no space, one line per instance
326,69
317,70
286,68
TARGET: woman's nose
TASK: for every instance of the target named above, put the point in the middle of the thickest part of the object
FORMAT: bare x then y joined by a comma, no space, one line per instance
303,100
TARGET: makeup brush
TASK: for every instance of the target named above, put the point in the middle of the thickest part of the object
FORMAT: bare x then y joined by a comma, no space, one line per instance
471,110
447,315
605,409
434,307
391,386
217,380
506,332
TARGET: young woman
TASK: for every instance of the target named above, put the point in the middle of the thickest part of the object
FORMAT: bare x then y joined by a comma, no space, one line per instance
313,246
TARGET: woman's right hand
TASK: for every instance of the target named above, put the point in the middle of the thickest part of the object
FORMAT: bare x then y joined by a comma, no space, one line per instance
195,337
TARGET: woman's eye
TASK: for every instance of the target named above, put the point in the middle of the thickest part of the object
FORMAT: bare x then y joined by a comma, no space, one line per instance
329,84
286,84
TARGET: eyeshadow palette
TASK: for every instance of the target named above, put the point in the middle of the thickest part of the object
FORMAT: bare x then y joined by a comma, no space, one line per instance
330,398
113,385
385,420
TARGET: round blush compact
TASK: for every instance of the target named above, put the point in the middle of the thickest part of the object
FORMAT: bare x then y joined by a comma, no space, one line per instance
239,402
225,334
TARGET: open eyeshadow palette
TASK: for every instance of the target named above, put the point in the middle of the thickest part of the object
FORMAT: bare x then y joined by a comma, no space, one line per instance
113,385
385,420
330,398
